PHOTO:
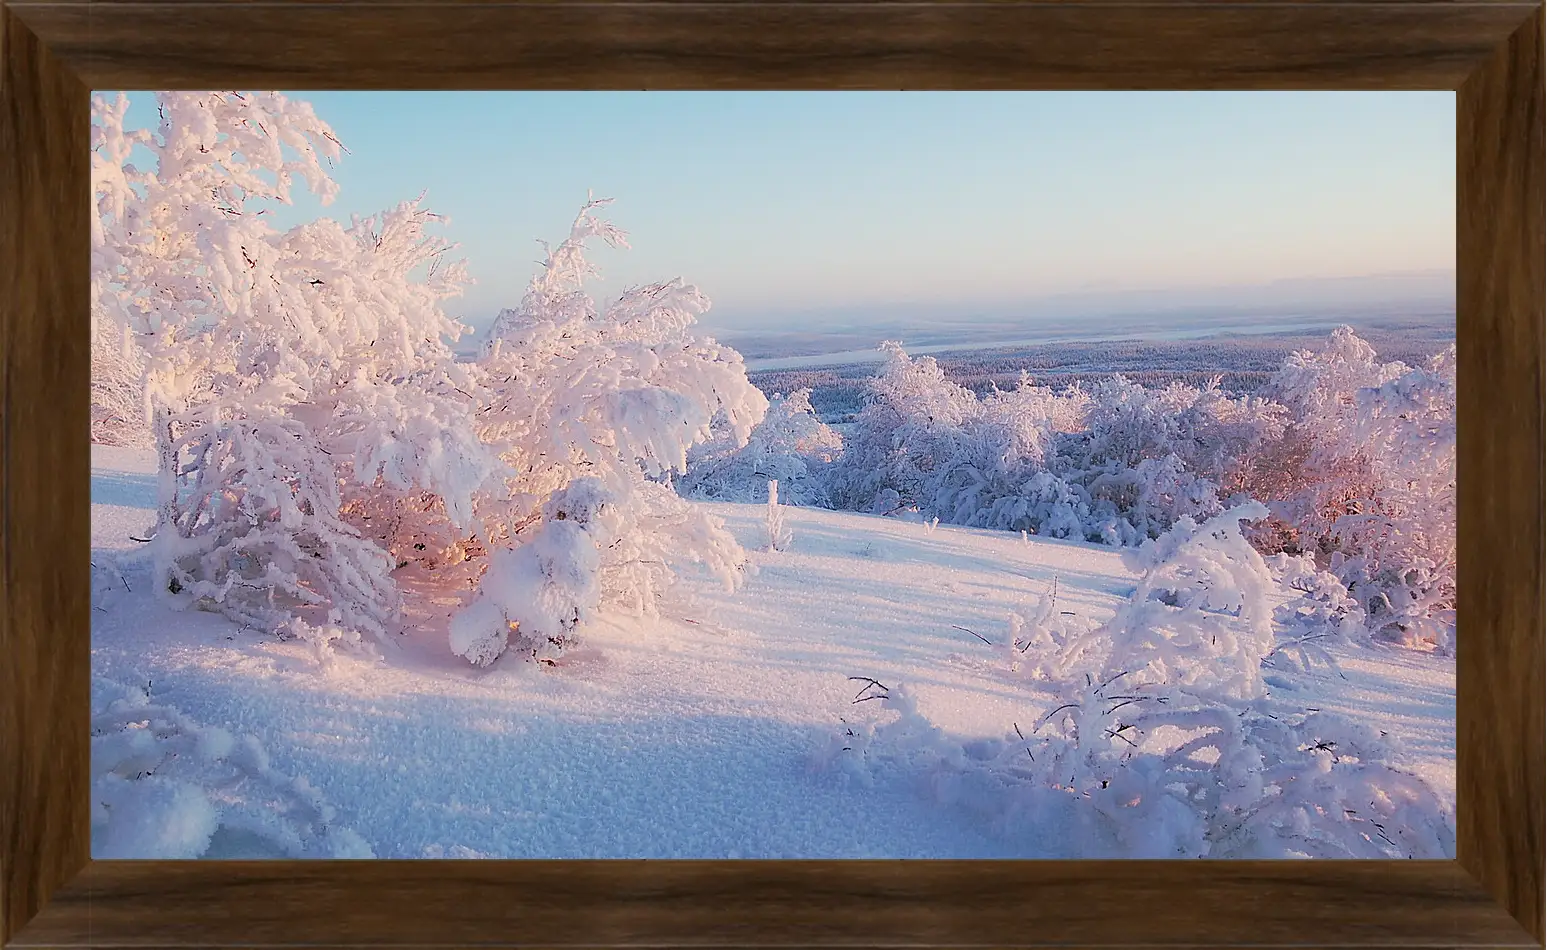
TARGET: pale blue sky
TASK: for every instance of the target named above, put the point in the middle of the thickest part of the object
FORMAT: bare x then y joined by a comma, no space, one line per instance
781,202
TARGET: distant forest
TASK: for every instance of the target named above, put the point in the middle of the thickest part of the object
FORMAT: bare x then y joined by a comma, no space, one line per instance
1242,361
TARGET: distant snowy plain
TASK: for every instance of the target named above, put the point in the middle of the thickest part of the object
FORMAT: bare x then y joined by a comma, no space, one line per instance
697,734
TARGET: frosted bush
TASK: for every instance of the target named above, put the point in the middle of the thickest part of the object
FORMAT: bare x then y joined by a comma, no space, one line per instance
255,531
1146,753
1403,553
1119,464
1200,618
1034,645
1364,480
286,372
118,410
1320,616
791,446
595,545
909,406
779,535
1161,742
1135,504
1209,431
541,591
603,404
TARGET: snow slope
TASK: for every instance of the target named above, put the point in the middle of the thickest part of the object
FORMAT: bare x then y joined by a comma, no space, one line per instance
690,735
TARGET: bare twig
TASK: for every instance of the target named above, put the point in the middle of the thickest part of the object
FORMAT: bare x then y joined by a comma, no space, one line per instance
1118,734
1051,713
1111,681
1023,739
870,684
974,633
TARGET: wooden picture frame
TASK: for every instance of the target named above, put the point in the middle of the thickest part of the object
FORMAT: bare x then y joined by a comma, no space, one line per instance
52,52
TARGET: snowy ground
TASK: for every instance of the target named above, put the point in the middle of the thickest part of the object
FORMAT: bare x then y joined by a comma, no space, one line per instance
693,735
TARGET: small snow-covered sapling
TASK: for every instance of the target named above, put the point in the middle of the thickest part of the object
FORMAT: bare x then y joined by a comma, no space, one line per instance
779,535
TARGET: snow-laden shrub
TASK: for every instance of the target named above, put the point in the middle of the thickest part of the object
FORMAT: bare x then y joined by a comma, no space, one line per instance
621,393
779,534
1119,464
1410,600
540,591
1164,735
287,372
1035,644
117,385
165,786
1321,616
256,531
1161,742
1128,423
1129,506
791,446
1200,619
595,545
612,399
1364,480
1036,412
1399,558
1250,782
909,407
1042,503
1316,471
1210,432
1153,456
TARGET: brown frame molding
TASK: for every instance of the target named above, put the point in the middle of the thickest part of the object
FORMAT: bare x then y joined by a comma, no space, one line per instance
52,53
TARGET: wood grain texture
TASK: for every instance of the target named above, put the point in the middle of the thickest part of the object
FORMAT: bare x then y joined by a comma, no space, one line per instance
1499,316
997,45
772,903
52,52
44,371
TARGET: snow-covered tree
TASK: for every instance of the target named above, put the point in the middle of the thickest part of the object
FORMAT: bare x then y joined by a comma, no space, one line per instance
118,414
1204,432
909,407
288,373
1317,471
1200,619
1161,741
615,397
1364,479
1118,464
791,445
779,534
1400,556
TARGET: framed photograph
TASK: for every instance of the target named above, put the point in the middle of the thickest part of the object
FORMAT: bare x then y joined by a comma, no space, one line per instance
773,474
